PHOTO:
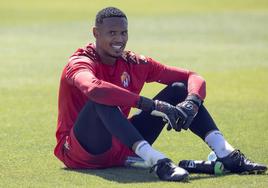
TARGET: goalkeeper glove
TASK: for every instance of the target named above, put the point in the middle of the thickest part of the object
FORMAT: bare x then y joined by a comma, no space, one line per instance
190,108
168,112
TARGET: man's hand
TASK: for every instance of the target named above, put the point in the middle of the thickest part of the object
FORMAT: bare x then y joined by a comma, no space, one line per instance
179,117
189,107
173,116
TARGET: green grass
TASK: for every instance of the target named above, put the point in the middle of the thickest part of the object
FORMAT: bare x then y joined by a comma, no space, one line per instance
225,41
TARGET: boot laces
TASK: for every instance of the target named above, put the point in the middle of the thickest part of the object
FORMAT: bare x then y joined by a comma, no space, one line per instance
165,165
242,158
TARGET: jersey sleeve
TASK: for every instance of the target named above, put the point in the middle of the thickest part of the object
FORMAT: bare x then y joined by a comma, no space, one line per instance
80,72
167,75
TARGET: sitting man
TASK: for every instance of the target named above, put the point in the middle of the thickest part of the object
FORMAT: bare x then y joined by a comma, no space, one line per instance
98,87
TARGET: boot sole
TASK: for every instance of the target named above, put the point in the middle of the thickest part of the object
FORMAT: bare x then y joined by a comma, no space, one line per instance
181,179
254,172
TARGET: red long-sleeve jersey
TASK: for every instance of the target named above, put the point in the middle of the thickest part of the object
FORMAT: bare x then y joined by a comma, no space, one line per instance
86,78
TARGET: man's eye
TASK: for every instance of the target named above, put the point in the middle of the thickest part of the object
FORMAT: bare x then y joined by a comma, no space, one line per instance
124,33
112,33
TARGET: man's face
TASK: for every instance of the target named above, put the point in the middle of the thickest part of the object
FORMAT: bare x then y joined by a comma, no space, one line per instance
111,36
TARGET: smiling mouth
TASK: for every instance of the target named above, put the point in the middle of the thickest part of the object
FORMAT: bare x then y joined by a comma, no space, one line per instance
118,47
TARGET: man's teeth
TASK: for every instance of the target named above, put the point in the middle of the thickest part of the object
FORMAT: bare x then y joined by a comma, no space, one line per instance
117,47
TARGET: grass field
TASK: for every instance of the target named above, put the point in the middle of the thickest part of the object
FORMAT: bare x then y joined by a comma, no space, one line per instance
225,41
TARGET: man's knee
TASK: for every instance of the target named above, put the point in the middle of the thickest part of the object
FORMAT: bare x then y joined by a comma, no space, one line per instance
97,110
104,111
173,93
180,89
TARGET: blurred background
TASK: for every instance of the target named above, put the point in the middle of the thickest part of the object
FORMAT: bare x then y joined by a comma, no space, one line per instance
224,41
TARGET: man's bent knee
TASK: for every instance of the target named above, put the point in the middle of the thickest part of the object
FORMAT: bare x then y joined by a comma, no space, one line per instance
180,89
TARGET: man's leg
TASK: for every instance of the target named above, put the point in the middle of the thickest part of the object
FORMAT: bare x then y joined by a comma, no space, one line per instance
203,126
151,126
233,159
97,123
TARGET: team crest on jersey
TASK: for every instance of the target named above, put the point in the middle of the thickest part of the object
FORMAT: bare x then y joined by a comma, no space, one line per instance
125,79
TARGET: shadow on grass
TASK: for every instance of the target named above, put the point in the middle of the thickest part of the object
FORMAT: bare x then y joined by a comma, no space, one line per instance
203,176
120,174
132,175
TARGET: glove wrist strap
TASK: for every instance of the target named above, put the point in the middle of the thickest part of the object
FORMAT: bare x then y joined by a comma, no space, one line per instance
146,104
195,99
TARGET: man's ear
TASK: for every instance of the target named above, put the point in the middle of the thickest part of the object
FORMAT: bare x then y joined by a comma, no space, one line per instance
95,32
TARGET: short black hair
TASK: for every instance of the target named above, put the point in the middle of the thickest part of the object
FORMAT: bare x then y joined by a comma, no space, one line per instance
108,13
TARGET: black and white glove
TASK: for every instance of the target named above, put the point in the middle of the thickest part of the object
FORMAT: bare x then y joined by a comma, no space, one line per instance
170,114
189,107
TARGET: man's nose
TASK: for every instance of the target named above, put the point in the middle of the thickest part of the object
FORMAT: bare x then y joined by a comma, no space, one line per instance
120,38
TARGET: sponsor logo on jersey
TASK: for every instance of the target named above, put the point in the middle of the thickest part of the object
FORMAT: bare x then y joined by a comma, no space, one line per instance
125,79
